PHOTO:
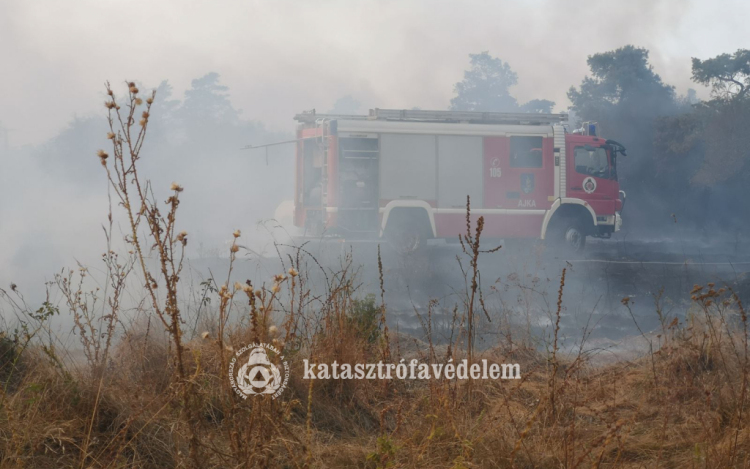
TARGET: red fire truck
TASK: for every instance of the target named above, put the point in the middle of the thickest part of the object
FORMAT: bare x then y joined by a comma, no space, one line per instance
405,175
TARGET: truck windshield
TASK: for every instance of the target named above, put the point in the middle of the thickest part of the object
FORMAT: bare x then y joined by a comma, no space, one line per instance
592,161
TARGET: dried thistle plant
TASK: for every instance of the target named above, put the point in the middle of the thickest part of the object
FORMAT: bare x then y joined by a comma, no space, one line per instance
137,198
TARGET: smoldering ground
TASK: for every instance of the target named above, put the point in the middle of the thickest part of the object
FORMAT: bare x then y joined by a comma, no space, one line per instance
615,299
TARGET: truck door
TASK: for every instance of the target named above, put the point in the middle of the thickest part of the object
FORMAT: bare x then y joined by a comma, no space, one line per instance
591,177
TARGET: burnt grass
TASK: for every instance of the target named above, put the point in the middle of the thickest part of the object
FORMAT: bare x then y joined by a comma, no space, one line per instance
679,397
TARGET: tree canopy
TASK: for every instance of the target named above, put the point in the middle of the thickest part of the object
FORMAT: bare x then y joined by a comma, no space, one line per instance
623,78
538,105
710,138
346,105
208,100
727,74
486,87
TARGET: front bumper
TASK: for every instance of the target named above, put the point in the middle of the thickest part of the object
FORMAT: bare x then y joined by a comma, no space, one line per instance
607,224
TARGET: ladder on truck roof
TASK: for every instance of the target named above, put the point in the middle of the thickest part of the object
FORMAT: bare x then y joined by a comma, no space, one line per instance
471,117
311,117
418,115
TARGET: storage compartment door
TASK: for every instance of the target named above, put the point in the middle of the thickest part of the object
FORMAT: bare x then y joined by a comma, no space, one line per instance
408,167
459,171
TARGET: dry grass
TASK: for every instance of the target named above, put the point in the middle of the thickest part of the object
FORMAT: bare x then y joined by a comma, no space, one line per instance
146,397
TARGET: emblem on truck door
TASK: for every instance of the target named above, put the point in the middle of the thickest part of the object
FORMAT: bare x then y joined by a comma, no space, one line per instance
589,185
527,183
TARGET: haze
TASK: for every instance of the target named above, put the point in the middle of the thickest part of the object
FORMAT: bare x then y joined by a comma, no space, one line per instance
284,56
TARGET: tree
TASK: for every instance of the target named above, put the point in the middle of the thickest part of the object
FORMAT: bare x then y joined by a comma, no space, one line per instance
538,105
208,102
196,140
167,106
727,74
710,138
346,105
621,79
485,86
625,96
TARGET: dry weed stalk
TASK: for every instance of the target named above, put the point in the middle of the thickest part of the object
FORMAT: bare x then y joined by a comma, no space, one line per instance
555,363
471,247
138,200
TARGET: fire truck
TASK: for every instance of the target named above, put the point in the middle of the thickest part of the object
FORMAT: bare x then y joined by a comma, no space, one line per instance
405,175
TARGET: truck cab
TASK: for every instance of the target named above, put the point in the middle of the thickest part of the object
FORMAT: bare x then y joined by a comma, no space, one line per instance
591,177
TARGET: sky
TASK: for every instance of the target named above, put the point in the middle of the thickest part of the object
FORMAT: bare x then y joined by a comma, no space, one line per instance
281,57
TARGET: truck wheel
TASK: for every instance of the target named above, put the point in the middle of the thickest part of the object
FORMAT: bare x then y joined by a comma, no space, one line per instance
567,236
406,237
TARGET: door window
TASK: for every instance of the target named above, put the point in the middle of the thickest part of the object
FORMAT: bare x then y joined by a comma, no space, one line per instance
592,161
525,152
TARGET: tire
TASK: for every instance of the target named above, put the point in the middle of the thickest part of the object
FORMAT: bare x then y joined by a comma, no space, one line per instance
406,236
567,237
